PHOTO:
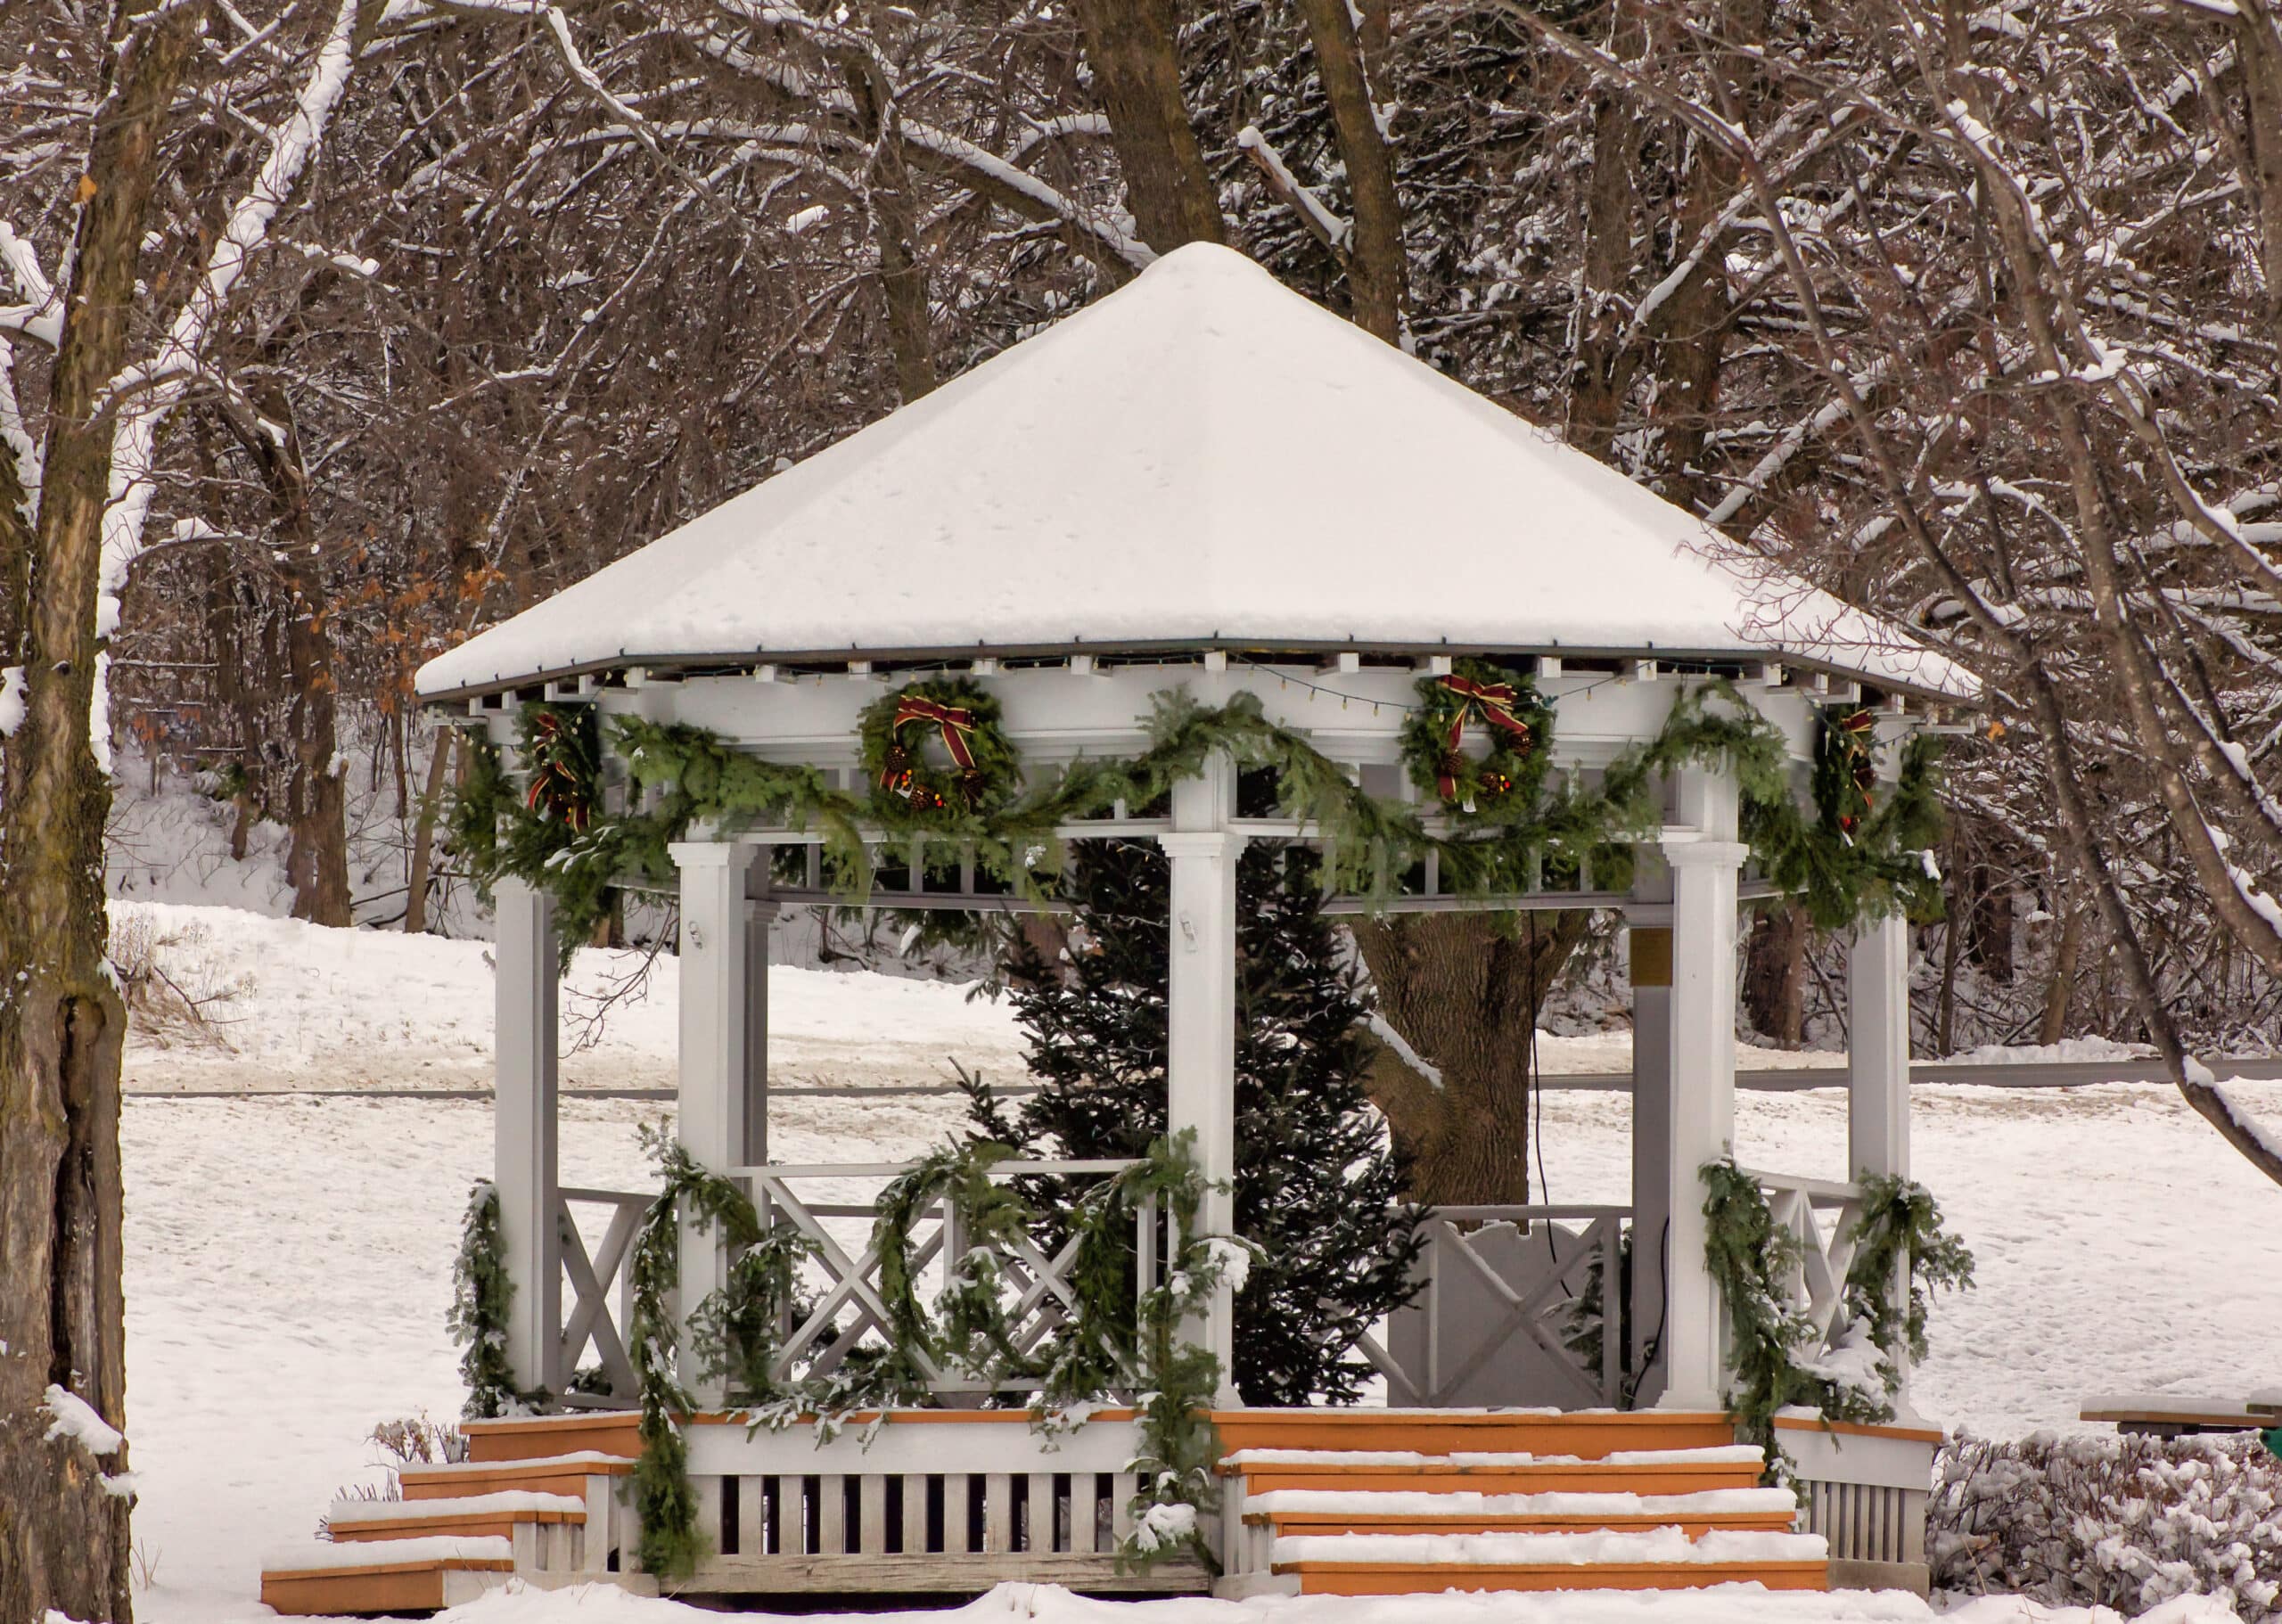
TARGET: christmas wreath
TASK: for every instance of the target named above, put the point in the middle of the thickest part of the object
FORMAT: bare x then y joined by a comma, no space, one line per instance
1846,770
980,771
1503,707
563,757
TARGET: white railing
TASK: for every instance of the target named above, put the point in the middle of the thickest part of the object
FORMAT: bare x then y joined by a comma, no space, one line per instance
591,1319
1473,1306
1039,1298
841,1276
1821,1215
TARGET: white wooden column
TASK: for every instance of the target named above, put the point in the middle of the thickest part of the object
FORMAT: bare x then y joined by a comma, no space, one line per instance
1877,1071
1201,1014
1651,955
1877,1048
524,1129
760,915
1706,859
709,1112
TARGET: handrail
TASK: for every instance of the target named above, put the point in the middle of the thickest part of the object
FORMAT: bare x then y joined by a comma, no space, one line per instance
620,1198
891,1170
1827,1190
1479,1212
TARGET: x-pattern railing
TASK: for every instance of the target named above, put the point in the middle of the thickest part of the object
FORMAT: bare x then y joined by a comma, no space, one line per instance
851,1307
1541,1314
589,1319
1821,1215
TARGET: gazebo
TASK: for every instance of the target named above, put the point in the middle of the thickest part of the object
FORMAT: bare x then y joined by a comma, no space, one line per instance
1201,485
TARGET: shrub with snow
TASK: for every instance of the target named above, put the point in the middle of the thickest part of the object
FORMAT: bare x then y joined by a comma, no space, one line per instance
2120,1522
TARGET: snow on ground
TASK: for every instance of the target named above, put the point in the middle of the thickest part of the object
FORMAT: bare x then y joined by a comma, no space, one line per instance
1051,1604
288,1259
300,1006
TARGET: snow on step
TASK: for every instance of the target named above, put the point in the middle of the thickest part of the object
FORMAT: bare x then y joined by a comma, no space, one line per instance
447,1548
1363,1503
507,1502
595,1458
1716,1455
1653,1545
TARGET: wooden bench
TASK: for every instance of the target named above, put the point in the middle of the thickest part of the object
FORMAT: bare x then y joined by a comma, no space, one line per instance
2160,1415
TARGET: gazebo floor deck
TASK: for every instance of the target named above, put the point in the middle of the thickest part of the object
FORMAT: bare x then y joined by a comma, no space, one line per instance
1317,1501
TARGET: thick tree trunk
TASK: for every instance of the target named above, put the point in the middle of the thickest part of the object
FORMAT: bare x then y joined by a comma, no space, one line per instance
1775,975
1374,264
1134,49
1464,991
63,1536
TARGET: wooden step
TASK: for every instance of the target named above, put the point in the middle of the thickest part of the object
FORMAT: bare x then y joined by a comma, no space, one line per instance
1588,1434
1482,1523
415,1576
1662,1559
1394,1472
560,1475
1773,1511
1426,1578
470,1516
517,1437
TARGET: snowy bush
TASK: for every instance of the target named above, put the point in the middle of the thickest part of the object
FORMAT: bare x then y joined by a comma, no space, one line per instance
2122,1523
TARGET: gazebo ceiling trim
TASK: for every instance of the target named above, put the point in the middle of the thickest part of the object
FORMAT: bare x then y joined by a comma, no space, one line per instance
1202,459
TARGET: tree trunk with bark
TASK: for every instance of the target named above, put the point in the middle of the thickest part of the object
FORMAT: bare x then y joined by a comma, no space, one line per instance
1374,255
2063,981
1775,975
1464,991
1134,49
63,1534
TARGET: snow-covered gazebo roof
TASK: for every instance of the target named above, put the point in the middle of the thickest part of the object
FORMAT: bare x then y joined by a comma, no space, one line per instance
1203,458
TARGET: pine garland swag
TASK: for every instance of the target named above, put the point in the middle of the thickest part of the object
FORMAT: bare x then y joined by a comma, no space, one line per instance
1750,1256
895,730
1503,705
736,1329
482,1295
678,775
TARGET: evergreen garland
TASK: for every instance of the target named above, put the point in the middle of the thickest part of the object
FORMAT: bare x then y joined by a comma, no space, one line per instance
679,774
1900,1221
1751,1257
482,1293
1110,1344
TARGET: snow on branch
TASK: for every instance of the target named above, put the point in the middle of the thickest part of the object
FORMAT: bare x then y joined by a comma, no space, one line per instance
1328,228
1788,444
148,393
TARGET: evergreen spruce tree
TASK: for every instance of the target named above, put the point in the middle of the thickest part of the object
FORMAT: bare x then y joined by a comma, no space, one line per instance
1316,1182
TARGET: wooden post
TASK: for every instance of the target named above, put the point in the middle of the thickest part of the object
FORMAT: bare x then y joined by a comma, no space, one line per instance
1201,1014
1651,953
1877,1071
1877,1048
709,1112
760,914
1706,860
524,1129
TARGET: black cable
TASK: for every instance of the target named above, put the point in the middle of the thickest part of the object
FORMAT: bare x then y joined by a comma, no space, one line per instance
1656,1347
